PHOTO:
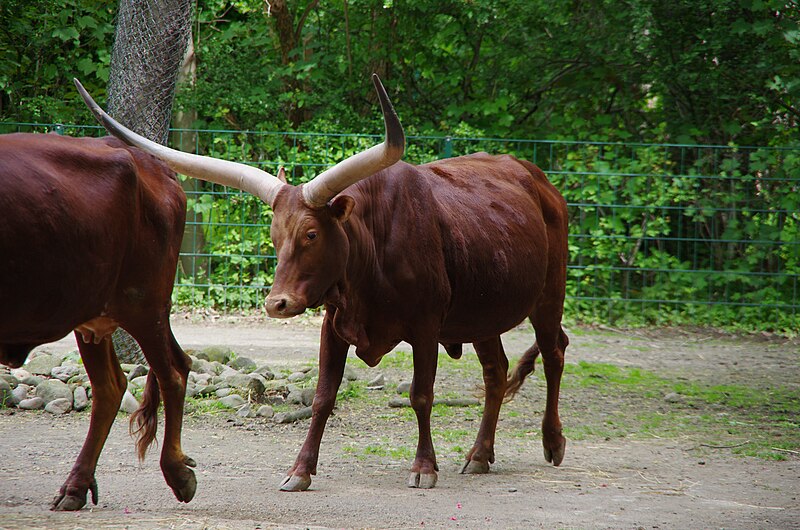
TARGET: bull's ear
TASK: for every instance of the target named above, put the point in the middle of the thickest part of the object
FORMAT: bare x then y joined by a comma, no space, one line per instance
341,207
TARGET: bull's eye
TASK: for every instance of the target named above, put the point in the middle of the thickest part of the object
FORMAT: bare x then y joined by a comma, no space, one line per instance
311,235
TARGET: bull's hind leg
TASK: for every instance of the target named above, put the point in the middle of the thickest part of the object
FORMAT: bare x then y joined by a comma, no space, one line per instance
495,367
551,341
171,368
108,386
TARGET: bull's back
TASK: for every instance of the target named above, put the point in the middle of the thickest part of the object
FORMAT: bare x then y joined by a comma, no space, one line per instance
71,211
494,213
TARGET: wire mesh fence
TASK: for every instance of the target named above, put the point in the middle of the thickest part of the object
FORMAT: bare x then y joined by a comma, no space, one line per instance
659,234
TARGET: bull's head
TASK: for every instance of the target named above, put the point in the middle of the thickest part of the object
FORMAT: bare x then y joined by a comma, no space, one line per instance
307,229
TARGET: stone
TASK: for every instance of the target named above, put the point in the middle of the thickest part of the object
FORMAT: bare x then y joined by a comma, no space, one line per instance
223,392
137,371
233,401
265,411
243,364
42,364
295,415
247,383
21,392
6,395
64,372
33,380
80,400
129,403
350,374
207,390
78,379
377,382
404,387
126,367
307,396
219,354
20,373
265,371
34,403
59,406
297,377
673,397
139,382
191,390
245,411
277,386
51,389
10,379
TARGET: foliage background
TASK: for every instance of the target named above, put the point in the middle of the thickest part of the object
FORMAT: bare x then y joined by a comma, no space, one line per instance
716,227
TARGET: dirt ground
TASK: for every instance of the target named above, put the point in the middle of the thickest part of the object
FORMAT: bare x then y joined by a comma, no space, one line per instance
603,483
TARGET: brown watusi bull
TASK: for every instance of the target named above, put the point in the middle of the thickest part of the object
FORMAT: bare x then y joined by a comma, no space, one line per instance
90,231
459,250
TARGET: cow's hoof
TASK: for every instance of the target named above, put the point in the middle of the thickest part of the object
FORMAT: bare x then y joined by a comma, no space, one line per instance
189,461
555,455
67,503
296,483
185,492
475,467
422,480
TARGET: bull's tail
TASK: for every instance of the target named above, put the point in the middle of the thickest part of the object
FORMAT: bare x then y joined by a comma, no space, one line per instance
524,367
144,421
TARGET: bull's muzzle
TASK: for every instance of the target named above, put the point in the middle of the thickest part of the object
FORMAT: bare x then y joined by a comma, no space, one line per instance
280,305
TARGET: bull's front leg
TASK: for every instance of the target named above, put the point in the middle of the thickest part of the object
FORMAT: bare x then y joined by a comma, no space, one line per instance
423,470
108,386
332,359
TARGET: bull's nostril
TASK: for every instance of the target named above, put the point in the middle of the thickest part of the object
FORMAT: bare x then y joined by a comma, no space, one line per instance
281,304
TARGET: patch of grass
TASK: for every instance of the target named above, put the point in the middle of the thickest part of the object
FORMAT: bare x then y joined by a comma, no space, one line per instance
618,402
353,390
401,360
380,449
204,406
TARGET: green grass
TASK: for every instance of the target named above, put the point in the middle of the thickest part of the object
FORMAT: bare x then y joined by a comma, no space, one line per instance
617,402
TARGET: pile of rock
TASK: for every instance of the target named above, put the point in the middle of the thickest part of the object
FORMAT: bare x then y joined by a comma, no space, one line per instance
59,384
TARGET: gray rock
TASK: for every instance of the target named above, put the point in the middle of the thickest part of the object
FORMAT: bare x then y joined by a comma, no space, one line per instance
7,398
223,392
295,415
265,371
34,403
51,389
139,382
350,374
42,364
59,406
78,379
126,367
64,372
21,392
404,387
277,386
297,377
673,397
206,390
10,379
202,379
247,383
137,371
265,411
191,390
301,396
245,411
129,403
219,354
80,400
243,364
20,373
377,382
202,366
233,401
33,380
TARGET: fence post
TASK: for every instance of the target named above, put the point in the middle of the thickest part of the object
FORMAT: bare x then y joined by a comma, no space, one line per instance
447,152
58,129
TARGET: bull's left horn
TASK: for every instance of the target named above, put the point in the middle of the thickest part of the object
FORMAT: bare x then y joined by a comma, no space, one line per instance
240,176
329,183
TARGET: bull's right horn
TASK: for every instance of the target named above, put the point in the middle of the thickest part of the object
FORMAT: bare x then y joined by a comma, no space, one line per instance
236,175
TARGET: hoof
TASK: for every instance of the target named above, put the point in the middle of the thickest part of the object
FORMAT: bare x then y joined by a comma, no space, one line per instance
186,492
555,456
67,503
475,467
422,480
189,461
296,483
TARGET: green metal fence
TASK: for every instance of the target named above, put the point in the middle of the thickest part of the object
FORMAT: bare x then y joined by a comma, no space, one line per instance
663,234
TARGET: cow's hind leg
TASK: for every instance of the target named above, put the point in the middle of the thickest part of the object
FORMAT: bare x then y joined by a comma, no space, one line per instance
171,367
495,367
108,386
552,341
424,469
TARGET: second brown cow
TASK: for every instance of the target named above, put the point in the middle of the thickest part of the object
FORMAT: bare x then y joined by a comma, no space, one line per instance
456,251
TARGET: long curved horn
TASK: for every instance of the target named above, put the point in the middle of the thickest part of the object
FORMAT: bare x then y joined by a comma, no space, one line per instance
330,182
240,176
